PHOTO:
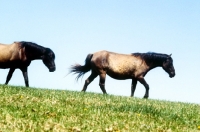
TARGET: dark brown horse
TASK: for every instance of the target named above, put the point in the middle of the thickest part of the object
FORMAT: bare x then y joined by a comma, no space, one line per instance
122,66
20,54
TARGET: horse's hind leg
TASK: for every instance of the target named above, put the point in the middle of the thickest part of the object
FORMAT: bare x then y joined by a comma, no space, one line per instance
142,81
10,73
133,86
102,83
89,80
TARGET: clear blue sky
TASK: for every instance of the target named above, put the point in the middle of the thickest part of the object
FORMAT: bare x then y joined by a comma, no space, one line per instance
72,29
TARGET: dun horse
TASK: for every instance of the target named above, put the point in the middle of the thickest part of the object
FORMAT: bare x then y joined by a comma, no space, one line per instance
122,66
20,54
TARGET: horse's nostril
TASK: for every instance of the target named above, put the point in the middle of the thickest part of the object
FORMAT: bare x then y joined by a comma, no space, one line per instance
52,69
172,74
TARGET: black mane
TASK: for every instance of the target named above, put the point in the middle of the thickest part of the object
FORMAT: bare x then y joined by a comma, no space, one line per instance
33,47
151,56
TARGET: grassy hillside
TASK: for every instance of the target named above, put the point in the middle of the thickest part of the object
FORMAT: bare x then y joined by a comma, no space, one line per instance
31,109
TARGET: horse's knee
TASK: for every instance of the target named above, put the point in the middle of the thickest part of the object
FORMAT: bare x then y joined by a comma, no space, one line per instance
87,82
101,85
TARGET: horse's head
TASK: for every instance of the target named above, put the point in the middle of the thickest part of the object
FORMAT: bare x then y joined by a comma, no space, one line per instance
48,59
168,66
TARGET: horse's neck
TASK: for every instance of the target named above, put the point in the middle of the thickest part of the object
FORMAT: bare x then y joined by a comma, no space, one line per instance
34,55
153,65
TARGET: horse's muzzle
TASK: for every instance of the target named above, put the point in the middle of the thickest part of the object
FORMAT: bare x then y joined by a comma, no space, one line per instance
172,75
52,69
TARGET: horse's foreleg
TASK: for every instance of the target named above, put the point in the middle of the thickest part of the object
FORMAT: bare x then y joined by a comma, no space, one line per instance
102,83
10,73
25,74
142,81
133,86
89,80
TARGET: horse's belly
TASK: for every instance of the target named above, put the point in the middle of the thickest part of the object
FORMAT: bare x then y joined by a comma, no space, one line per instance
10,64
4,65
121,74
121,70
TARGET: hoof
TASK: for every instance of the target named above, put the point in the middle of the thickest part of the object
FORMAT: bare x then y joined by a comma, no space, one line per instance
146,97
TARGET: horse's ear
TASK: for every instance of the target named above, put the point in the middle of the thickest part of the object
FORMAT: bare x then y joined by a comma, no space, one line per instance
170,55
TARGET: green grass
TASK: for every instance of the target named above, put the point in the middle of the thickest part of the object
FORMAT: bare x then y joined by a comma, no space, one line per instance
31,109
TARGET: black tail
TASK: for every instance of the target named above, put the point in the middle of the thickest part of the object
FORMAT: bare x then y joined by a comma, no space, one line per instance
81,70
